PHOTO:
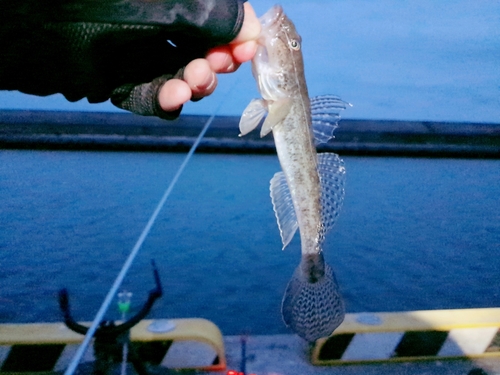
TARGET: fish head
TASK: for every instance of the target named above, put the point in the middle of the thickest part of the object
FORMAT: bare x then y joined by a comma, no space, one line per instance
278,64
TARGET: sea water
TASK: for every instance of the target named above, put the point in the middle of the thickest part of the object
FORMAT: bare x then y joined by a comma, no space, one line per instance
413,234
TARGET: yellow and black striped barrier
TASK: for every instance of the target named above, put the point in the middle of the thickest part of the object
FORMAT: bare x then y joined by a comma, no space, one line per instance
174,344
413,335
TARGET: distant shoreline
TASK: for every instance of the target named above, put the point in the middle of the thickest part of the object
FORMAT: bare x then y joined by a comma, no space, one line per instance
127,132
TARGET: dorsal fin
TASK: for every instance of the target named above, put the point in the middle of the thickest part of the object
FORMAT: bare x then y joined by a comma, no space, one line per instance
325,112
332,179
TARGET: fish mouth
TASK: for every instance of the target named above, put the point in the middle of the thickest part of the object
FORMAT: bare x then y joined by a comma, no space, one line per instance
263,65
271,16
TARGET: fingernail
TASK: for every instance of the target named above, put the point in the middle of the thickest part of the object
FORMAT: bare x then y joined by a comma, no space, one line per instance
230,68
210,83
228,64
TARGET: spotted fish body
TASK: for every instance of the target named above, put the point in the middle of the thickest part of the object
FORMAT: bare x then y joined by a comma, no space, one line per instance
308,193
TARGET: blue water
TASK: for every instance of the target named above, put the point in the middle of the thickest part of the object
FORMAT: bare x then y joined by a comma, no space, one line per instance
413,234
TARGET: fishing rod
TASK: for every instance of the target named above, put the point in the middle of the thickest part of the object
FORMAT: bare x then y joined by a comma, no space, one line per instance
128,263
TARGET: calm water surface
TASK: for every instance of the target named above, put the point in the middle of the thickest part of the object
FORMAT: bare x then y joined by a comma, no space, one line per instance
413,234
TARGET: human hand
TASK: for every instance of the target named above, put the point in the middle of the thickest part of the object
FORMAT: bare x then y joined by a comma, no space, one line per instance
199,78
106,49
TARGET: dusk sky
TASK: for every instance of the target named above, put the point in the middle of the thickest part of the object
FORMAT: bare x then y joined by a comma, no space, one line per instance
412,60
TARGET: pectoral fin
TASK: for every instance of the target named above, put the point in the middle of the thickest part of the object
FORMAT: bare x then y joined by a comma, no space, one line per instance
277,112
283,208
325,111
252,116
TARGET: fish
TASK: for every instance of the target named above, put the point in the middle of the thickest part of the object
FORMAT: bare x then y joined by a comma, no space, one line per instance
309,191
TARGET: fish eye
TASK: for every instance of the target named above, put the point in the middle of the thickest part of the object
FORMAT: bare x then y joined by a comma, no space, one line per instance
294,44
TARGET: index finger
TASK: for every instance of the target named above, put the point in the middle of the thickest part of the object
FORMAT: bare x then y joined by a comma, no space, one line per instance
250,29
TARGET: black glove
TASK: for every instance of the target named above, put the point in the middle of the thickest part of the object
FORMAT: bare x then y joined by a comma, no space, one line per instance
101,49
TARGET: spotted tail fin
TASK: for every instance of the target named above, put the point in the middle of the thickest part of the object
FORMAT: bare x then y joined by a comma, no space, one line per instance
312,305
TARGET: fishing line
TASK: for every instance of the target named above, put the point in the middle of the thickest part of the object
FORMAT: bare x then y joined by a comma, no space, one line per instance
114,288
